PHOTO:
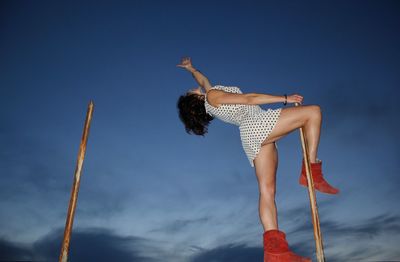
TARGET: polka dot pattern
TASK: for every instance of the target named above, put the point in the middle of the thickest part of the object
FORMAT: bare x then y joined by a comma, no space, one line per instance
255,124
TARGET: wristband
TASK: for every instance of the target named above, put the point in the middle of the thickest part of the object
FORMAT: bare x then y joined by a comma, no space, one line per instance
285,103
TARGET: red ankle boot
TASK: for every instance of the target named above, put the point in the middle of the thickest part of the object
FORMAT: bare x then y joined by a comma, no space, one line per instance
320,183
276,248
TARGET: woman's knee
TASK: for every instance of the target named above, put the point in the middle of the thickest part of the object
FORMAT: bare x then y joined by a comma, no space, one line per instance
314,111
268,191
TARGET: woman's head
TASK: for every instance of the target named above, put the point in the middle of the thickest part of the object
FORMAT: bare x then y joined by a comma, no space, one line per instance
193,113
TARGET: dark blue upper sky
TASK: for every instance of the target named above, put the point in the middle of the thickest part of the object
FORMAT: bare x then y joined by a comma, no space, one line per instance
151,192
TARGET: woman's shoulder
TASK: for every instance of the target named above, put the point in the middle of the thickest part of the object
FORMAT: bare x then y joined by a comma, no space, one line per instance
230,89
217,87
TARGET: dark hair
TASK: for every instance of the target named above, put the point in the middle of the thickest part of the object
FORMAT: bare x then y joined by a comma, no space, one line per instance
193,114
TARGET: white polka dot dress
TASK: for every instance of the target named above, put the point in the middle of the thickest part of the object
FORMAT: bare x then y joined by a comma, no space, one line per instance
255,124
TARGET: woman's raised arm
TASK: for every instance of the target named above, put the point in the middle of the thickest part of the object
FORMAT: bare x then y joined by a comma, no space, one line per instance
201,79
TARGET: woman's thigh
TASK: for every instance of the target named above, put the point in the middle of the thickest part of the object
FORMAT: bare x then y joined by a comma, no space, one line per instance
266,164
290,119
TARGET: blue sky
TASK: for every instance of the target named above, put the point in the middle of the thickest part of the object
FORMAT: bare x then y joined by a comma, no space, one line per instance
151,192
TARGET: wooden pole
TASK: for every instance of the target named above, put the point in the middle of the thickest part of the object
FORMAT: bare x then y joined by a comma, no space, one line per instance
313,199
75,187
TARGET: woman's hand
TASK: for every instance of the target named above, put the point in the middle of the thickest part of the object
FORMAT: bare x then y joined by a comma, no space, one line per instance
201,79
295,99
186,63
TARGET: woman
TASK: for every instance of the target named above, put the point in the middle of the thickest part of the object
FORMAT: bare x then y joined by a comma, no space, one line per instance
259,130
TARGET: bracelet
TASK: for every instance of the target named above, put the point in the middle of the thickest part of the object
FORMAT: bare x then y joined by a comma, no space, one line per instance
285,103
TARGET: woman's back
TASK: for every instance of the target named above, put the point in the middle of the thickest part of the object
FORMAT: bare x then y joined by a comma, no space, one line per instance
231,113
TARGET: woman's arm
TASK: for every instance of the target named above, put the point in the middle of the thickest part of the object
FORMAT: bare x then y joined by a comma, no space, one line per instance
218,97
201,79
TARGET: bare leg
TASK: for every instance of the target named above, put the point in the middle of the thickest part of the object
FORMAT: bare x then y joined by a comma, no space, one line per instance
276,247
291,118
313,131
266,164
